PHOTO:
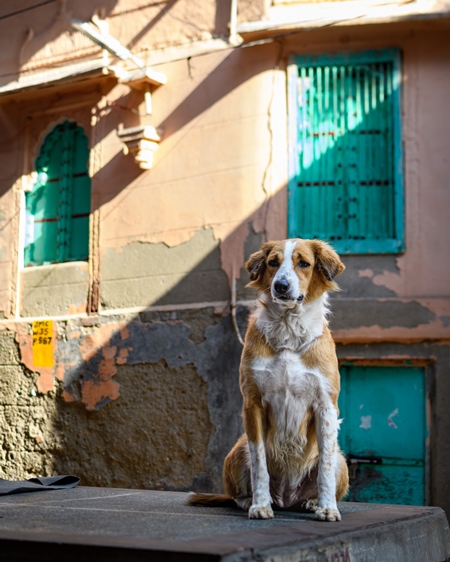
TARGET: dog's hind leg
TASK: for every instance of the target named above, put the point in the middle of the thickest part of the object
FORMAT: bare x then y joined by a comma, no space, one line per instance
236,474
236,481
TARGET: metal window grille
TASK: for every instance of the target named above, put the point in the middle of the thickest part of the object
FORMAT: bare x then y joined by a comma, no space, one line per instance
58,207
346,166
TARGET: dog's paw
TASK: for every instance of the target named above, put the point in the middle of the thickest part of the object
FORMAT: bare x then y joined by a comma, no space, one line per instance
260,512
310,505
327,514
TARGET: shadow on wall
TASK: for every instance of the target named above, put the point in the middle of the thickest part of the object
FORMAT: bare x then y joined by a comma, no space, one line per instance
226,77
236,68
153,400
40,25
122,169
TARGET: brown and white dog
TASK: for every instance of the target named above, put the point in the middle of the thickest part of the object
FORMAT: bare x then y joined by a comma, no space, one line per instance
289,377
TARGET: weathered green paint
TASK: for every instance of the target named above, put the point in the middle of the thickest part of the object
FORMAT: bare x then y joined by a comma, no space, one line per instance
384,413
346,181
58,207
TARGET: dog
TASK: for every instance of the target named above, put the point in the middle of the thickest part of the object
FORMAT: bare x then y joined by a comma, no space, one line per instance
289,379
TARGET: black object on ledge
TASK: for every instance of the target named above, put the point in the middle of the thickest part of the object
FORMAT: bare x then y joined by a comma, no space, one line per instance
37,484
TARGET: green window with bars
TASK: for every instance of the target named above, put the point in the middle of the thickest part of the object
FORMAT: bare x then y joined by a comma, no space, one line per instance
345,161
59,204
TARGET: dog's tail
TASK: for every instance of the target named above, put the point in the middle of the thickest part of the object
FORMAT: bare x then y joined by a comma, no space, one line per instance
210,500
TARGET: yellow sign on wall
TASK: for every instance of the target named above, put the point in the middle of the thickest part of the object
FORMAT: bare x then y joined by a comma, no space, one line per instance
43,343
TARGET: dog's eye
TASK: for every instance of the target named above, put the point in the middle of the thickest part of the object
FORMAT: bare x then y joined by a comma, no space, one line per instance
273,263
303,264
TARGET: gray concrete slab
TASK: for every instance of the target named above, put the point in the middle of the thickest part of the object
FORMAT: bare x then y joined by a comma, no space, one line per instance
116,524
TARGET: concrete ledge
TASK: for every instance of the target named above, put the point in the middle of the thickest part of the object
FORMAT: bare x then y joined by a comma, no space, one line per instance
114,524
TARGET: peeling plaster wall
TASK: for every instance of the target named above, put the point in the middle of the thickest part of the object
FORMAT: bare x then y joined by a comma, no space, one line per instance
223,117
154,400
148,438
142,274
69,282
150,401
26,419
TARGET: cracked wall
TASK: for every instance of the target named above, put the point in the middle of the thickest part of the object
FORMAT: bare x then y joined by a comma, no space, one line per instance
139,402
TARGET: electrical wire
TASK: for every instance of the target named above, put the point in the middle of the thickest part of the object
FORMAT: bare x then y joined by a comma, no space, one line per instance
5,16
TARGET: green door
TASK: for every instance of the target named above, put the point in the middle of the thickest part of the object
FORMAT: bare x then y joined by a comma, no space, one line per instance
384,432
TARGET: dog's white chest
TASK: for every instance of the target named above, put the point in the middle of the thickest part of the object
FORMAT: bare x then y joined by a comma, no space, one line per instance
290,388
284,373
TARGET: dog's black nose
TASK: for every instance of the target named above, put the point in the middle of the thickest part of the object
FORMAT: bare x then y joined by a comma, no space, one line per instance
281,286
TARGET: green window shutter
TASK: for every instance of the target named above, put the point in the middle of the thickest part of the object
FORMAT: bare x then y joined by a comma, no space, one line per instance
346,182
58,207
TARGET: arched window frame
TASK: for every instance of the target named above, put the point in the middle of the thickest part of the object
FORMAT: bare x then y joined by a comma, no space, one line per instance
58,205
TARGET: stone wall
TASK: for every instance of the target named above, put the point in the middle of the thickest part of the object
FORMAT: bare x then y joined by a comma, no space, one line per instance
150,401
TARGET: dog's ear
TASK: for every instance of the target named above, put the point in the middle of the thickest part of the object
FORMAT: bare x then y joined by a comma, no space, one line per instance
256,263
328,264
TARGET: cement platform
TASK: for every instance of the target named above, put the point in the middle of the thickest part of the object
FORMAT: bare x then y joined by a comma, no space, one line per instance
101,524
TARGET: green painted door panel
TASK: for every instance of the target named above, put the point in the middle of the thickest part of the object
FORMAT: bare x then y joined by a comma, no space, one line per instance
385,483
44,249
81,200
385,428
79,238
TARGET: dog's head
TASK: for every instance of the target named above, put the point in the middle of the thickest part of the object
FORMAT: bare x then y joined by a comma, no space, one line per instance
293,271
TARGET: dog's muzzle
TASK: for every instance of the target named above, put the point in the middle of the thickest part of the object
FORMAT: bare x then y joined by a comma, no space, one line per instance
281,291
281,287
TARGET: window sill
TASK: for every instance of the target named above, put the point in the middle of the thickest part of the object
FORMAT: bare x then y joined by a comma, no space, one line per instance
387,246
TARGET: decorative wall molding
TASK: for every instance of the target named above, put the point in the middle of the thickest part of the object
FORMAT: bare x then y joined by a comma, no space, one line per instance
141,142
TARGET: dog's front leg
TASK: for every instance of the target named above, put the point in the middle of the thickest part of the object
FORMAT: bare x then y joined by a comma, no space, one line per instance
327,427
261,502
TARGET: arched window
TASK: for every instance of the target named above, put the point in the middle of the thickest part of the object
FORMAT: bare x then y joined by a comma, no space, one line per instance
58,206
